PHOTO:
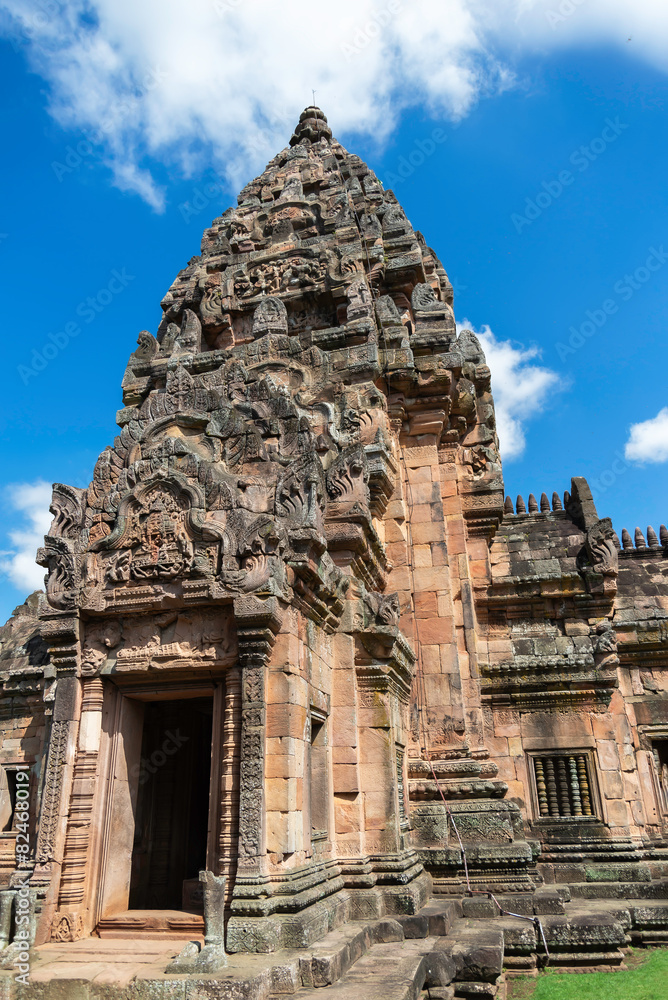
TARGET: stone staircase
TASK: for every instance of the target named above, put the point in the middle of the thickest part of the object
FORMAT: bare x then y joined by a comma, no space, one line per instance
452,949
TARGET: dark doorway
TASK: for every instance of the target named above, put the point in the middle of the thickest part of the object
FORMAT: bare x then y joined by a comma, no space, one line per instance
172,817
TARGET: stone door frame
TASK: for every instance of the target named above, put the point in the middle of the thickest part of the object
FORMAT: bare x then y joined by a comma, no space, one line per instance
118,778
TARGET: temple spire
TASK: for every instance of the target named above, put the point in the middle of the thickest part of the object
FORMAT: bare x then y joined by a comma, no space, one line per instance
312,127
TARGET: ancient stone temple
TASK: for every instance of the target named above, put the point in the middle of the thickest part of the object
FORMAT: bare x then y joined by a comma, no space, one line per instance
304,691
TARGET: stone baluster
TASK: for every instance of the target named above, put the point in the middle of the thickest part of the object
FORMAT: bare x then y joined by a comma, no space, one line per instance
564,797
575,786
541,787
552,799
584,786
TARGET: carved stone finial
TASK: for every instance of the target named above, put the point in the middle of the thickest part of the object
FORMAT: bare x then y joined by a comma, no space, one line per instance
640,539
270,317
147,346
652,540
508,506
567,499
605,646
520,506
189,340
627,541
600,549
544,504
663,535
556,502
470,347
360,301
387,313
423,299
312,127
615,539
533,505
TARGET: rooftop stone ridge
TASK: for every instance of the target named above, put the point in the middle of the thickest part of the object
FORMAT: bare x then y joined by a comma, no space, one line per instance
293,614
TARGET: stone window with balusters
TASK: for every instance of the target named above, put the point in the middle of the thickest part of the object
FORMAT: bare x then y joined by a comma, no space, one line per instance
564,784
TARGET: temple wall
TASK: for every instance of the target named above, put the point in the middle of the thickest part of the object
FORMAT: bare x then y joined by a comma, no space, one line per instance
299,696
302,524
24,723
591,651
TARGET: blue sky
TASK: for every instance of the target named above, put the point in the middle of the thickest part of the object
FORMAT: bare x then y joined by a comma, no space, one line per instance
531,155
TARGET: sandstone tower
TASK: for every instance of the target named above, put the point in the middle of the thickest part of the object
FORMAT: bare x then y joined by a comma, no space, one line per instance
293,636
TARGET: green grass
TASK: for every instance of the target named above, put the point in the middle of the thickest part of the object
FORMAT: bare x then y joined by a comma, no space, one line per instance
646,979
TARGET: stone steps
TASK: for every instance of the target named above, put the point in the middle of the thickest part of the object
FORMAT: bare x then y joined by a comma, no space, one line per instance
387,972
455,949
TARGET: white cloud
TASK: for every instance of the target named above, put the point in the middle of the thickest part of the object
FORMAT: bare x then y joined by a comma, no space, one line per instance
520,388
648,440
195,83
31,503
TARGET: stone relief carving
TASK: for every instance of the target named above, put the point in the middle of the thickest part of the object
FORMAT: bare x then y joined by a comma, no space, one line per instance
291,274
51,796
67,507
67,927
601,549
423,299
360,302
57,557
158,545
270,317
605,646
598,560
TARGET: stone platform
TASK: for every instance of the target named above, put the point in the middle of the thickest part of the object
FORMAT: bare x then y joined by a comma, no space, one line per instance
153,924
449,949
